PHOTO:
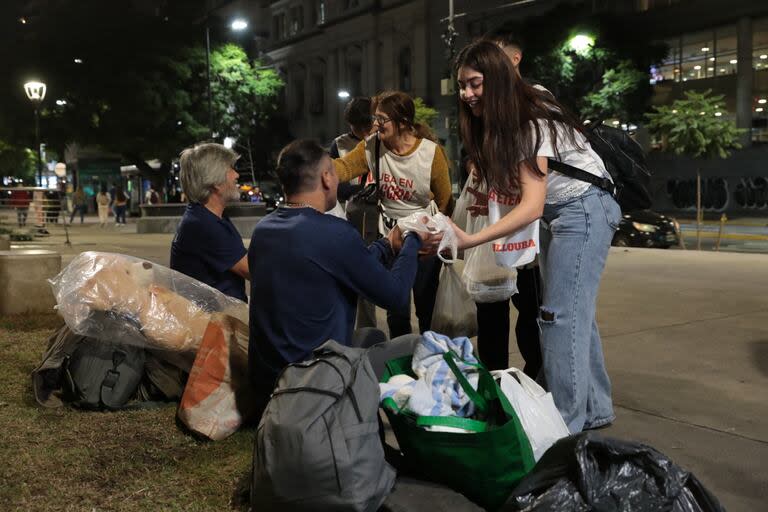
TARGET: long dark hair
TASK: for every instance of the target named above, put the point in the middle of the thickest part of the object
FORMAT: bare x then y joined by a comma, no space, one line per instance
401,110
508,132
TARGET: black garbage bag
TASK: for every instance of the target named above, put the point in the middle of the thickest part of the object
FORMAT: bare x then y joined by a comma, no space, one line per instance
589,472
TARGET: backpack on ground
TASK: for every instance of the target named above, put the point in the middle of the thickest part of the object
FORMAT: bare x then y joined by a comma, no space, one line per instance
102,375
624,160
74,367
317,445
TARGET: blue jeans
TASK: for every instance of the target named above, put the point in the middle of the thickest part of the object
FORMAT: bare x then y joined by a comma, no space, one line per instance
575,238
120,214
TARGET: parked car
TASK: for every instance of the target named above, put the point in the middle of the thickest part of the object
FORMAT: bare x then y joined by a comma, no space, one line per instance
645,228
272,193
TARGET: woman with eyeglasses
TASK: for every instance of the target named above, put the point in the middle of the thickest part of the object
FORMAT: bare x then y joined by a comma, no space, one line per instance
413,175
511,130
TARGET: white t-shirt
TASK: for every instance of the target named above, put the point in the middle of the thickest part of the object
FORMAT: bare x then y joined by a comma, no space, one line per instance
561,188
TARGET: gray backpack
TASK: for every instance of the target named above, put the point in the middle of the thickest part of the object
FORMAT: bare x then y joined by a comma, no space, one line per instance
317,445
102,374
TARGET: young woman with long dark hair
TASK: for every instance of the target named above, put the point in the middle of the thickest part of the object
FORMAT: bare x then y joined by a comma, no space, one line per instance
510,129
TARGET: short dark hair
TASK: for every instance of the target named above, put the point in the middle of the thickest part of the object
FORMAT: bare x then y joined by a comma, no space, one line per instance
298,165
357,113
505,39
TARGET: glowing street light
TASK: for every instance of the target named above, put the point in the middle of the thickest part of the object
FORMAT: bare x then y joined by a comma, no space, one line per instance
239,24
581,43
36,93
343,94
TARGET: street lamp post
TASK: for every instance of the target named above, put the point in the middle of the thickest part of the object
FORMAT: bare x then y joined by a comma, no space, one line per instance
36,93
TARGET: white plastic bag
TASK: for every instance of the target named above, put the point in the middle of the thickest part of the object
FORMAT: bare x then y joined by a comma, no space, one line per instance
435,223
486,281
535,407
455,313
522,246
460,214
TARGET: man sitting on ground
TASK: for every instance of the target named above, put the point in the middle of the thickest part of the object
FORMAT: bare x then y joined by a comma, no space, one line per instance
207,246
310,269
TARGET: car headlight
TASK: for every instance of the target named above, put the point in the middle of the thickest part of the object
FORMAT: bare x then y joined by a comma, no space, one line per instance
645,228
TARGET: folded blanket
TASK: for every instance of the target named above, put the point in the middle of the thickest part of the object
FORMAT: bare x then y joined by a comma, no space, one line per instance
436,391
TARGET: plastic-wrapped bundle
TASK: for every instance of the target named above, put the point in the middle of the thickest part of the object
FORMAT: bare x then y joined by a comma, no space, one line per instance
113,296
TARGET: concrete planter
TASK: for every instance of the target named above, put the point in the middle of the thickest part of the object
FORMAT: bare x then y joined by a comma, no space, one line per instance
24,278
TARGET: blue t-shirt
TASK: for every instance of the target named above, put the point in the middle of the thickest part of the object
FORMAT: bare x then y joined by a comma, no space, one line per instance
206,248
307,270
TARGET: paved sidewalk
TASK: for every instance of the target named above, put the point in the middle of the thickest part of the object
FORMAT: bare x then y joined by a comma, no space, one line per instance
686,343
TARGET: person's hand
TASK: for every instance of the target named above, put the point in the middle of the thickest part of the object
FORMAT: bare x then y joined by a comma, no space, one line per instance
395,238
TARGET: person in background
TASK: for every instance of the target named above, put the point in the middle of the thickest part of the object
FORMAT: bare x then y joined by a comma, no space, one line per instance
20,200
357,115
413,176
510,130
102,204
207,246
120,205
151,196
78,204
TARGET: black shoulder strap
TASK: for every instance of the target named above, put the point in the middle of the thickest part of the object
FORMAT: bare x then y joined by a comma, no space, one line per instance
581,175
376,155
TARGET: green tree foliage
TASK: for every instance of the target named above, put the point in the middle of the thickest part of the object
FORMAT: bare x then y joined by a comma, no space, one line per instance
18,162
690,127
244,93
140,86
609,80
424,114
618,93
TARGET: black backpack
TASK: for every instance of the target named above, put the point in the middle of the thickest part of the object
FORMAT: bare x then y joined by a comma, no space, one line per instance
363,209
102,375
624,160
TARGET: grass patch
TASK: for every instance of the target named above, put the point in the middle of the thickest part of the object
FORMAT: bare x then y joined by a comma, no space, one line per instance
65,459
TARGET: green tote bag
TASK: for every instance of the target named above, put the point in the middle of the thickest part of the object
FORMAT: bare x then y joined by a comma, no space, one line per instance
484,464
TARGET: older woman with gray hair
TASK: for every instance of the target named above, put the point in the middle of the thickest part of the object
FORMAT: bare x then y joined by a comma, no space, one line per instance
207,246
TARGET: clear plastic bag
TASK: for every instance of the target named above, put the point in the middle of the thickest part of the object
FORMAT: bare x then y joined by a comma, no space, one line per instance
113,296
455,313
486,281
536,409
424,222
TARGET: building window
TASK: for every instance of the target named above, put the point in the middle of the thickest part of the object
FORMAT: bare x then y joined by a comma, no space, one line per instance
699,55
298,98
321,12
760,44
404,69
297,19
317,100
278,26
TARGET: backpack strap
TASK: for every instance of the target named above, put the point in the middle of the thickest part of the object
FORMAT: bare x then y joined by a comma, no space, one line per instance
581,175
112,377
376,155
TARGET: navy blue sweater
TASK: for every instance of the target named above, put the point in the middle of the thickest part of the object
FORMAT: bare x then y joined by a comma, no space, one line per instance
307,270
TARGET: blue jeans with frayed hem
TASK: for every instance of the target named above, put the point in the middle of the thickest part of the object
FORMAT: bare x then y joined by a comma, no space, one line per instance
575,238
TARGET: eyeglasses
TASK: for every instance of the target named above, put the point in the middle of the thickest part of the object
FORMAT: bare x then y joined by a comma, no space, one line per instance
380,120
